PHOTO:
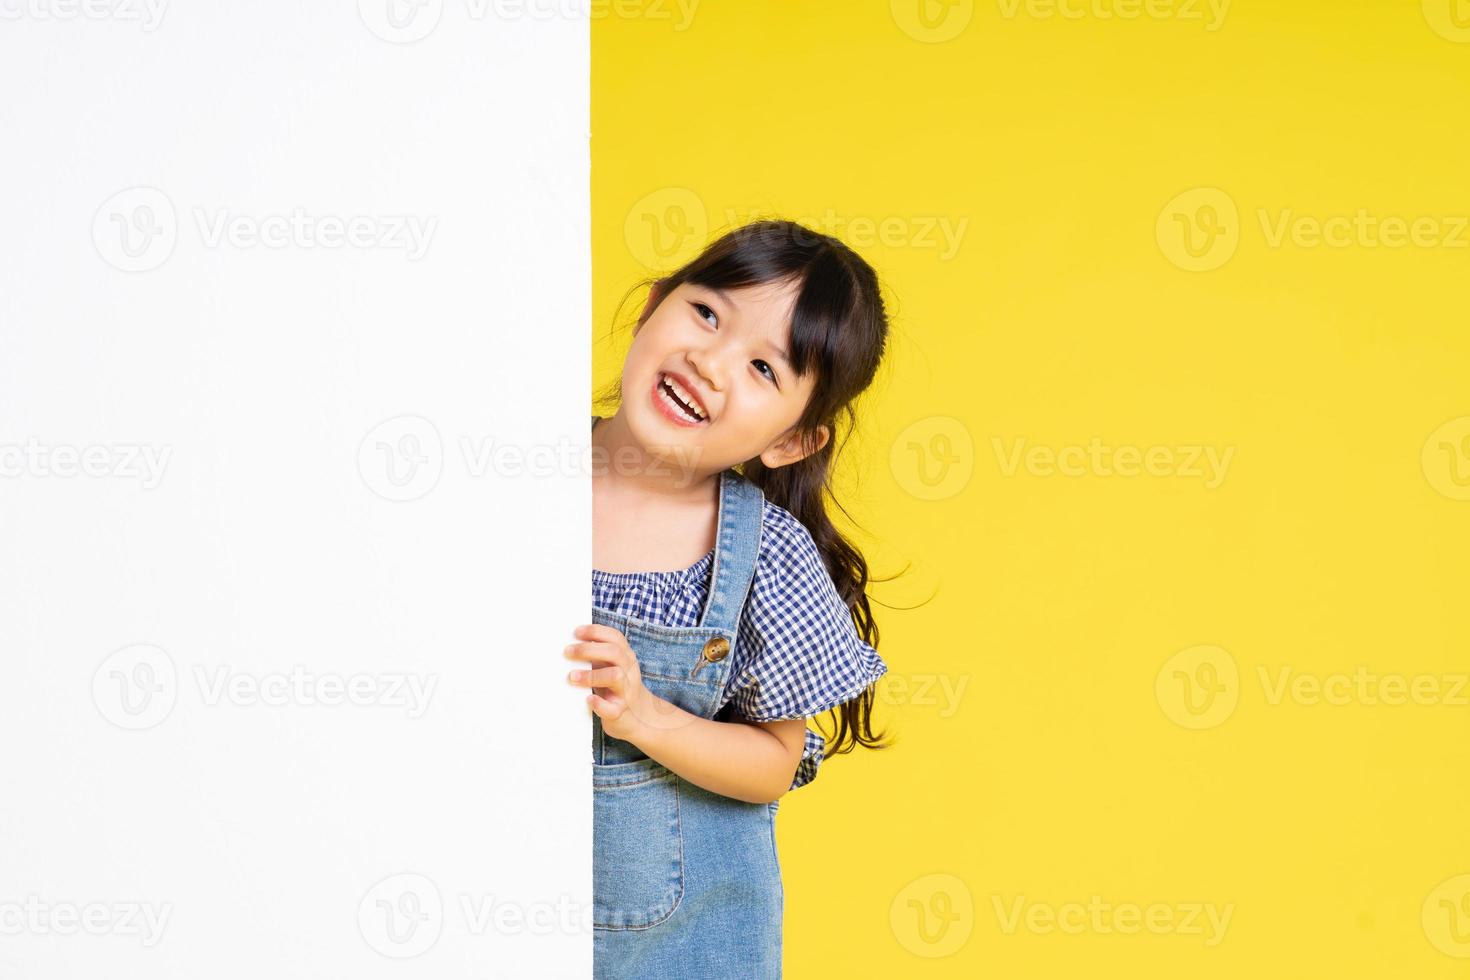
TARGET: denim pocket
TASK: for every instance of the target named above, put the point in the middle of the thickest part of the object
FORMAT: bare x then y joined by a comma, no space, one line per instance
638,845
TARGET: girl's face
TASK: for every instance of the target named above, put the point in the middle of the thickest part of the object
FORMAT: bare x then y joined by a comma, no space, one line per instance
723,354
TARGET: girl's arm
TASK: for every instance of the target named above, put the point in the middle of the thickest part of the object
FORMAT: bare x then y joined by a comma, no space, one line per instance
750,761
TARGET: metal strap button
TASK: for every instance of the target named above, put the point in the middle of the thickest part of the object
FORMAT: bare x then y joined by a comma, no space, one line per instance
718,648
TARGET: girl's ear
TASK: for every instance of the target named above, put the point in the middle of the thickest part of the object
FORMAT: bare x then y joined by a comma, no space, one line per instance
789,449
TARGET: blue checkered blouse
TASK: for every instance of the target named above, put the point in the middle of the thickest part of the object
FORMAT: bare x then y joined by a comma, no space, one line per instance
797,652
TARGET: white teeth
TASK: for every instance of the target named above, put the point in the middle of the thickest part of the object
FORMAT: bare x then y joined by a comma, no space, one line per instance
684,396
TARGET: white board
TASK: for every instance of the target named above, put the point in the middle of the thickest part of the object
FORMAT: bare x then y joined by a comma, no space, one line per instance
293,523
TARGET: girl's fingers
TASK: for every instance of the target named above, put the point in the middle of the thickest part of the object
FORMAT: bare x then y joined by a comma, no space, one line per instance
597,652
596,631
608,677
605,709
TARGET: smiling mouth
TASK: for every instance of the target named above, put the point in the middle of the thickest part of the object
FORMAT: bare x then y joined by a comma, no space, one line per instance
668,392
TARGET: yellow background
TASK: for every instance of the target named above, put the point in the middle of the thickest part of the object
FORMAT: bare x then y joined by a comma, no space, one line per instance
1082,613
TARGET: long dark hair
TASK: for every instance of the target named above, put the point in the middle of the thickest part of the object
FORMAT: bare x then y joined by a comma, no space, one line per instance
839,329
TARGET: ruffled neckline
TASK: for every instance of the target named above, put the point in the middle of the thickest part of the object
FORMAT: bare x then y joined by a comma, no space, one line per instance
695,572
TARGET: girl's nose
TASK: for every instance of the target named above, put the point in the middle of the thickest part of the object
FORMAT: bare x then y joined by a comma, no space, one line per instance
706,368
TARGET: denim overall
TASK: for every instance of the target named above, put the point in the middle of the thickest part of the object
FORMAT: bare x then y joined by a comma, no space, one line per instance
686,883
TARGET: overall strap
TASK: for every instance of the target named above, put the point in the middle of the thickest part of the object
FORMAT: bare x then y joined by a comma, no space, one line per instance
737,543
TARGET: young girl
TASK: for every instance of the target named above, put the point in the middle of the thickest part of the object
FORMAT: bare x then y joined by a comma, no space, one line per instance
702,678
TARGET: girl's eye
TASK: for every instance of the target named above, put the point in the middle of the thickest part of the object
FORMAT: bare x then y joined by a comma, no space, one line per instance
701,309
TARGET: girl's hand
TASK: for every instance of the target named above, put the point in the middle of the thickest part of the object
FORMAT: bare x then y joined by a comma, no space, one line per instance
618,696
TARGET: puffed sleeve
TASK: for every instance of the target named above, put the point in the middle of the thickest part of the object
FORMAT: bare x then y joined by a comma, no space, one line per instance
798,650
